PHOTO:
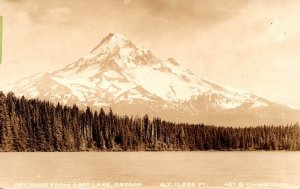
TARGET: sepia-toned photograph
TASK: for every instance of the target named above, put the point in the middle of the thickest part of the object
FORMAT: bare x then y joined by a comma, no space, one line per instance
146,94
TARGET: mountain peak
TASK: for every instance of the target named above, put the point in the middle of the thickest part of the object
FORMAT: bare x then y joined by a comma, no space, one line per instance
112,41
116,37
115,45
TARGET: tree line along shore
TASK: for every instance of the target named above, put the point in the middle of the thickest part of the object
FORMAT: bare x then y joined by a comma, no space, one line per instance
30,125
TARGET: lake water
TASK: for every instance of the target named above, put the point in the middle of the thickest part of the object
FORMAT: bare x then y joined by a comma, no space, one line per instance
150,170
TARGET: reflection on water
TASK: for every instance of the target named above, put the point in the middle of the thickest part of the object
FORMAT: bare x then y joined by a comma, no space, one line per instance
150,170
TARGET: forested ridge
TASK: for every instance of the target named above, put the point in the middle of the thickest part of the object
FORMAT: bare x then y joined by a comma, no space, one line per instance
35,125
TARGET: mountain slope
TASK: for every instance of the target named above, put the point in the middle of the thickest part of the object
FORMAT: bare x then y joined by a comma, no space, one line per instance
131,80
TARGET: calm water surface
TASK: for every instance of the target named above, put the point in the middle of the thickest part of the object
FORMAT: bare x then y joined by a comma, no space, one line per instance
150,170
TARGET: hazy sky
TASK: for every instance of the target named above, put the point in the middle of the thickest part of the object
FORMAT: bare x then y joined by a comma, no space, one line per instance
252,45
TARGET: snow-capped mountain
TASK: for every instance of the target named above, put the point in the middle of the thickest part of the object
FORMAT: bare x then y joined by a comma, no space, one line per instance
131,80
